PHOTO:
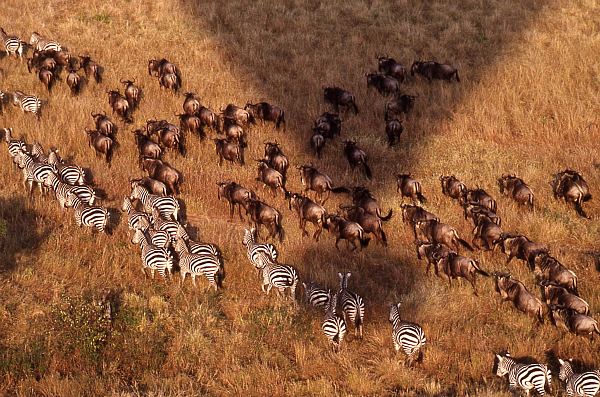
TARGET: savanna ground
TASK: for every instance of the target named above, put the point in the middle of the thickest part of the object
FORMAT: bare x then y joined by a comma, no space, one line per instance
527,103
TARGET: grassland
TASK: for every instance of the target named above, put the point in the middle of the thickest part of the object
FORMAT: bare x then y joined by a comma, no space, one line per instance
527,103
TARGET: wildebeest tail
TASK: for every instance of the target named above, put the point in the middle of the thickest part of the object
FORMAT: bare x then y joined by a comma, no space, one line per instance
478,269
339,189
462,242
368,172
586,197
354,105
419,193
364,241
383,237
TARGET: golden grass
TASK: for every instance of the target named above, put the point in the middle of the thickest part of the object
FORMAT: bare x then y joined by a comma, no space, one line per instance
527,104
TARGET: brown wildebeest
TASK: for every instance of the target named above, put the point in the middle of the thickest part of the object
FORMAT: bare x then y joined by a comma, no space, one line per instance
169,135
409,187
102,144
234,194
328,124
520,247
362,197
338,97
400,104
208,118
191,124
384,84
161,67
263,214
170,81
392,68
479,213
41,60
234,132
516,188
230,151
119,105
161,171
74,81
320,183
479,196
270,178
275,158
133,93
357,157
393,129
577,323
413,214
513,290
191,104
308,211
452,187
369,222
487,232
155,187
104,124
433,252
146,146
264,111
557,295
437,232
454,266
91,68
570,186
317,142
343,229
240,116
47,78
434,70
549,269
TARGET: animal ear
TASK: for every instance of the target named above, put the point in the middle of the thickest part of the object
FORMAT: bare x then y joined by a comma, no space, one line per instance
348,274
561,362
340,275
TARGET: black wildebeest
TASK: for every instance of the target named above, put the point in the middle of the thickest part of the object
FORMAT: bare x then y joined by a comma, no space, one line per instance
520,247
161,171
91,68
230,151
414,213
343,229
270,177
146,146
455,266
577,323
452,187
362,197
328,124
275,158
409,187
263,214
234,194
153,186
480,197
191,104
437,232
550,269
133,93
74,81
400,104
264,111
308,211
570,186
433,252
516,188
318,182
357,157
119,105
369,222
104,124
384,84
392,68
513,290
434,70
338,97
556,295
487,232
102,144
393,129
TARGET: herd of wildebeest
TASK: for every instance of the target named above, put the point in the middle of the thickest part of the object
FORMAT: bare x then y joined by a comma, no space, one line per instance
159,229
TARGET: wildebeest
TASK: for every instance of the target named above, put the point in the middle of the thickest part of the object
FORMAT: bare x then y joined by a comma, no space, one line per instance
369,222
570,186
437,232
234,132
480,197
454,266
42,60
162,67
240,116
133,93
308,211
357,157
400,104
343,229
516,188
384,84
556,295
452,187
434,70
328,124
577,323
234,194
275,158
47,78
146,146
393,129
264,111
230,151
119,105
170,81
513,290
488,232
318,182
102,144
550,269
169,135
208,118
338,97
433,252
263,214
414,213
191,104
362,197
392,68
520,247
104,124
154,186
270,178
74,81
192,124
479,213
91,68
161,171
409,187
317,142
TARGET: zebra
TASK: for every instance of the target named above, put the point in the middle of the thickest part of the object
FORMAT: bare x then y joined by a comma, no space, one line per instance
33,172
136,220
524,376
281,277
28,103
93,216
14,145
586,384
160,238
60,189
39,43
406,336
315,295
334,326
73,175
258,254
197,247
12,44
37,152
353,306
168,207
153,257
171,227
208,265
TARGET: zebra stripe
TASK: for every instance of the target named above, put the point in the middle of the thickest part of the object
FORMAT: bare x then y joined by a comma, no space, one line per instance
28,103
92,216
33,172
168,207
37,152
353,306
160,238
586,384
406,336
153,257
334,326
259,254
171,227
12,44
198,247
42,44
14,145
73,175
194,264
525,376
85,193
315,295
136,220
281,277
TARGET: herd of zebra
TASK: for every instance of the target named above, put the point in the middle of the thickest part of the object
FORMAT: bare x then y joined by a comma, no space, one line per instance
161,235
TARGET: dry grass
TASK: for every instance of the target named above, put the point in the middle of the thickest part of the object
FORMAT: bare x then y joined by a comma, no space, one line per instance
527,103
